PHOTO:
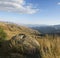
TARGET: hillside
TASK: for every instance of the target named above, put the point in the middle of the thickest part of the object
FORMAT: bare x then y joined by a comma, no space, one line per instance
13,29
49,40
19,41
23,42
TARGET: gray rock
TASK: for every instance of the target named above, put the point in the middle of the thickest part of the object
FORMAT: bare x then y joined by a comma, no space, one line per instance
26,45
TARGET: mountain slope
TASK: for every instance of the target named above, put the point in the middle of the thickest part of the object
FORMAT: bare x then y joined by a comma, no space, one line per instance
13,29
24,42
20,42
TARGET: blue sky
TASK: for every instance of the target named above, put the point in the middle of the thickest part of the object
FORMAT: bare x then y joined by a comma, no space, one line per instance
30,11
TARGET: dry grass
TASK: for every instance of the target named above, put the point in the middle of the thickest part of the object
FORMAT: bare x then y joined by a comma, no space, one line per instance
49,47
13,29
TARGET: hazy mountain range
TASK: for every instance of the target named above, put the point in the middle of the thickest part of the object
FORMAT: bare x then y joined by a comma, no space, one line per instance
46,28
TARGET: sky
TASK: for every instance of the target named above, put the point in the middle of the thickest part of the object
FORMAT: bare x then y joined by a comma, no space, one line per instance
30,11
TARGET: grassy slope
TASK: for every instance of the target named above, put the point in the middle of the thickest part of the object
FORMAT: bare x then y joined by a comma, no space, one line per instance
13,29
49,47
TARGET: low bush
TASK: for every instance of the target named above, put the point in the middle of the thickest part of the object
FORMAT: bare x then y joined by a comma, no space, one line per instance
3,35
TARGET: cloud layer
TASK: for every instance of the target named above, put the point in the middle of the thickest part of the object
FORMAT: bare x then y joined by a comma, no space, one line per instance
58,3
18,6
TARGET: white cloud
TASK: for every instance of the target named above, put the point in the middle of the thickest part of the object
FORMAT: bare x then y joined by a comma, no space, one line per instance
58,3
17,6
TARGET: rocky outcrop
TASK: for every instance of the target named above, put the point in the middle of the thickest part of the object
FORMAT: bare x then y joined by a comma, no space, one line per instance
25,45
22,44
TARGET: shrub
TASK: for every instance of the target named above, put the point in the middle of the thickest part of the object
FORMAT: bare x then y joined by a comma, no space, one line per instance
3,35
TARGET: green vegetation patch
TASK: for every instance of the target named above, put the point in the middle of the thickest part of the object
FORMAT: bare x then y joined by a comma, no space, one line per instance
3,35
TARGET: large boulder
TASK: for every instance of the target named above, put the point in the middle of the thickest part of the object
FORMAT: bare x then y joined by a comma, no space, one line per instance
24,44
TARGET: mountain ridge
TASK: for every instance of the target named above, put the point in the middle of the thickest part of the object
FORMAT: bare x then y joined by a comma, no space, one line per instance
47,29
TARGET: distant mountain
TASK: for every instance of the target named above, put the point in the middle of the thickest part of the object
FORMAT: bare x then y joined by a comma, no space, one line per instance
34,25
47,29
